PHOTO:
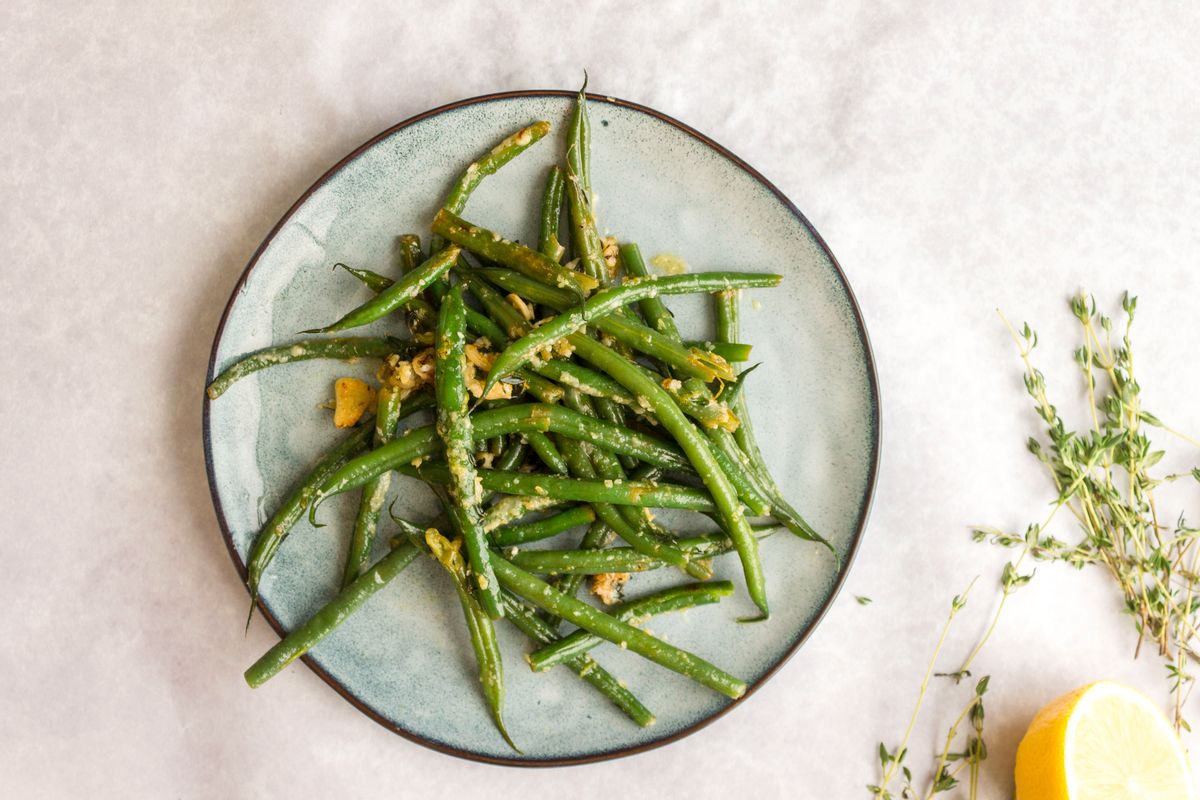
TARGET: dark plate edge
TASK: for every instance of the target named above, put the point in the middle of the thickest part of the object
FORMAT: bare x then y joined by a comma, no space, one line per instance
864,511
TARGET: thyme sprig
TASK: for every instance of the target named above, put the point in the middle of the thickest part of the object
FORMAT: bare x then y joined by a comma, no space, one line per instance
949,762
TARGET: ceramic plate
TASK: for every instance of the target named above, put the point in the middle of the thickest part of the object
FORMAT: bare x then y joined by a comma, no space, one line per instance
404,658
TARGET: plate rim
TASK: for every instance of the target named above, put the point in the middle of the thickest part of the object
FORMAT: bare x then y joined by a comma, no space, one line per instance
864,511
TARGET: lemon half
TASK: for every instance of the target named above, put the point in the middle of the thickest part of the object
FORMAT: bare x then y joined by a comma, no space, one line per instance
1104,741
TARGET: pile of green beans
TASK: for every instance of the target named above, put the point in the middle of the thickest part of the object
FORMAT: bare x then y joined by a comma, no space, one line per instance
561,393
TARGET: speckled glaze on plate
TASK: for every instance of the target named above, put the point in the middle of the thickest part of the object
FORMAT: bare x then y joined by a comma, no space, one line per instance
404,658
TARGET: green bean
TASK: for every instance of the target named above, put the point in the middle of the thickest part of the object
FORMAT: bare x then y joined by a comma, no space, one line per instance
537,592
374,491
423,318
622,559
586,238
657,315
497,157
587,381
728,318
513,507
727,314
419,315
512,535
512,458
628,493
608,300
677,598
543,389
521,418
483,326
455,429
372,280
541,632
552,206
579,142
597,537
646,472
349,348
625,521
732,352
624,525
417,401
695,445
332,614
566,373
396,295
546,451
697,401
479,625
277,528
734,390
523,259
694,362
734,464
609,411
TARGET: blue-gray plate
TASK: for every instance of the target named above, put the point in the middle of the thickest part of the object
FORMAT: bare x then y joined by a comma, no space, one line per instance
404,659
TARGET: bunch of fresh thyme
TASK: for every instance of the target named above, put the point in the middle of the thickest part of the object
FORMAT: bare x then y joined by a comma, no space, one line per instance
1102,477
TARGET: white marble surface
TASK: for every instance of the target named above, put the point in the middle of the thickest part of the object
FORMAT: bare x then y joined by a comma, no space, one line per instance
956,159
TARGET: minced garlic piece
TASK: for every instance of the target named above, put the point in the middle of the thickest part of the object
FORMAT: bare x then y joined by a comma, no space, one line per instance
609,586
351,399
520,305
610,254
669,264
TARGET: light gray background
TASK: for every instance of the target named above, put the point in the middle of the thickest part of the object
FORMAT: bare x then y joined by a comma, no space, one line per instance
957,158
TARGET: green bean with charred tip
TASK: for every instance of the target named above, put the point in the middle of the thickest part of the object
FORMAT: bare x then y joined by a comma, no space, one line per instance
511,535
541,632
398,294
332,614
479,625
494,247
677,598
456,432
347,348
695,445
374,491
537,592
608,300
277,528
552,207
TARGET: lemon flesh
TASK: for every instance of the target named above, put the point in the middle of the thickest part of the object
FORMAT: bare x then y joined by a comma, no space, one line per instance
1102,742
